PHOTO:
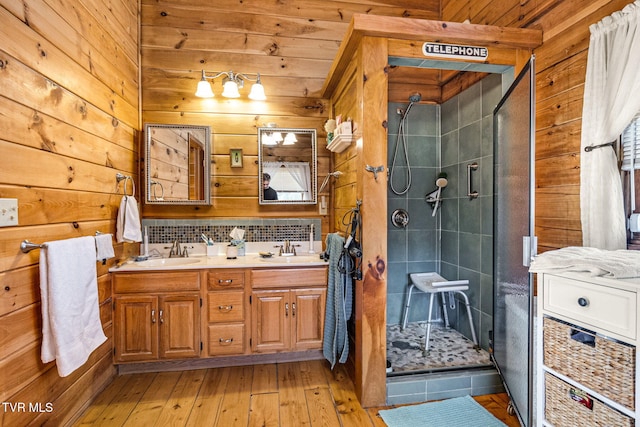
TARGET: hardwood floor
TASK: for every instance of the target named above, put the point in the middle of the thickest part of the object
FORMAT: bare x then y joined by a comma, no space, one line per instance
290,394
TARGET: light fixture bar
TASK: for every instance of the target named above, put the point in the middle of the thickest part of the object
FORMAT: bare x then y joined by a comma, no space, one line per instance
231,83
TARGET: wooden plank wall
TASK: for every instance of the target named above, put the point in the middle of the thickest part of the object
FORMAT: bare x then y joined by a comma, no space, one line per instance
292,46
560,72
69,115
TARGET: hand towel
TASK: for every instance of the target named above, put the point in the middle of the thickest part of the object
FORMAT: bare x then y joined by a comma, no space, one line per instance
128,228
335,345
71,327
104,247
618,264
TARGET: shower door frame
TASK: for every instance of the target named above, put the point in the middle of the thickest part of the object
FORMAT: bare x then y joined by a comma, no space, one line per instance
503,234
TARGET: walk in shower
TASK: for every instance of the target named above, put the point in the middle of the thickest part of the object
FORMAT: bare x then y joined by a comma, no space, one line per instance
456,242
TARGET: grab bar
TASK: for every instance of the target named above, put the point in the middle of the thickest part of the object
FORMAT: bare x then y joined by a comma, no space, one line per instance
470,167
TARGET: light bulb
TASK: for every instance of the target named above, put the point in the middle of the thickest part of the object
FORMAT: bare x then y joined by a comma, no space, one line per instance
204,89
230,89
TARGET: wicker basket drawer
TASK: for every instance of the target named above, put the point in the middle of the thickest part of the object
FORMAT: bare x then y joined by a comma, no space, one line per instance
603,365
568,406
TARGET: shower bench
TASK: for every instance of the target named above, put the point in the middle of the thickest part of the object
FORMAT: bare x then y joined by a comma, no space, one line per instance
432,283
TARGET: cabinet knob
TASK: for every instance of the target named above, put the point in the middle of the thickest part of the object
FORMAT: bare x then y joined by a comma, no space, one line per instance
153,316
286,309
161,317
583,302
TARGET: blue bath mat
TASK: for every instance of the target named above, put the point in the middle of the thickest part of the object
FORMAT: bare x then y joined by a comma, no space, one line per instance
458,412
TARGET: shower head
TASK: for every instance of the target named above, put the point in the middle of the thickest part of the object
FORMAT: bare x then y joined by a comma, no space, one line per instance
441,182
416,97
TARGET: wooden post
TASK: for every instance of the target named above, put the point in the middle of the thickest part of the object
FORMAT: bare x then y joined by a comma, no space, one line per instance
371,292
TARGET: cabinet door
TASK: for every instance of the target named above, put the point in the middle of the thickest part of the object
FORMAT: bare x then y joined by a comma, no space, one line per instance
136,329
270,324
179,326
307,307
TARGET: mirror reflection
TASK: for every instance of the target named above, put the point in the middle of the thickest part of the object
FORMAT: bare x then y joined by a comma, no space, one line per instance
287,165
178,164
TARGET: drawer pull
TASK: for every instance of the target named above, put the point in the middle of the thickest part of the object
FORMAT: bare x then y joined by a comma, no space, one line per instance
225,281
583,302
153,316
225,308
224,341
582,337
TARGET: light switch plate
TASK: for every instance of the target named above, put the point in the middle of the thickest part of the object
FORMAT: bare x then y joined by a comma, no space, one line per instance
8,212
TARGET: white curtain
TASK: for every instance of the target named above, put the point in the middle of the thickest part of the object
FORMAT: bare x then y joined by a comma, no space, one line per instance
611,100
301,174
271,168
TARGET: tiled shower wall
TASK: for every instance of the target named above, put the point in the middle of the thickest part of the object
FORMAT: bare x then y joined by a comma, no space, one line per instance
256,230
460,244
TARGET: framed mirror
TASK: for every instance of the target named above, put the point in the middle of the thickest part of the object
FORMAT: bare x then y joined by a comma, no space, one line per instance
177,164
287,166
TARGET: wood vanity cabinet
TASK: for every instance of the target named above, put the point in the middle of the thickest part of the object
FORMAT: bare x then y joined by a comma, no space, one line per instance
157,316
226,311
287,309
587,334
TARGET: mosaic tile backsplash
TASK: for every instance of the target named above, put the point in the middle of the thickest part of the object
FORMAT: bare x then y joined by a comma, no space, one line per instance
256,230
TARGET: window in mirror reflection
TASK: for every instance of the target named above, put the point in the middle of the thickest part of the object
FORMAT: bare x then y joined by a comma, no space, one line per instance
289,181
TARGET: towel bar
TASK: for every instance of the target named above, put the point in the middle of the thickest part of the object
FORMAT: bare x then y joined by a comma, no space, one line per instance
27,246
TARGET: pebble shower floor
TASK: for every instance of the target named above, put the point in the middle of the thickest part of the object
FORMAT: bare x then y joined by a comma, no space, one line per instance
447,349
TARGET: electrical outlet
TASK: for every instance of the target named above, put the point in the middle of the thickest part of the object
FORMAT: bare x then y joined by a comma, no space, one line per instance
8,212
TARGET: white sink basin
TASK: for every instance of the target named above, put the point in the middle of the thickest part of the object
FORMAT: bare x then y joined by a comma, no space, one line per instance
298,259
166,262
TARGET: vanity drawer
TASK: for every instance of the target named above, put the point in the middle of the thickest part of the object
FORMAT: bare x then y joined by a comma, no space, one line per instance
289,277
599,307
226,339
225,279
226,306
164,281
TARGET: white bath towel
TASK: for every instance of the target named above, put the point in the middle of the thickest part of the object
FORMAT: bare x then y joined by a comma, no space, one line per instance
619,264
71,327
128,228
104,247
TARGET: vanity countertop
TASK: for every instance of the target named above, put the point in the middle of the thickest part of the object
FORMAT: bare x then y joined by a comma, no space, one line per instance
250,260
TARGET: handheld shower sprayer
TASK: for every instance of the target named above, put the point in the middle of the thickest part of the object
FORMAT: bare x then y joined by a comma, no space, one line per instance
401,139
434,197
335,174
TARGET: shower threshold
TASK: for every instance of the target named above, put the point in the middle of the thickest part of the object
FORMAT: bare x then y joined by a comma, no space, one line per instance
453,367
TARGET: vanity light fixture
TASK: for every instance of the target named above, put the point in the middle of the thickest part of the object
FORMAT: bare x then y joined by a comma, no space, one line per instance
290,139
231,83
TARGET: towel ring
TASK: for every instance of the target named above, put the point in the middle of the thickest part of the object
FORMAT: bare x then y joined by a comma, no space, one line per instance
155,185
120,177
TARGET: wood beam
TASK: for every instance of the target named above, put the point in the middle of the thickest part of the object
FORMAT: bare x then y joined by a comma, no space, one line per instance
420,29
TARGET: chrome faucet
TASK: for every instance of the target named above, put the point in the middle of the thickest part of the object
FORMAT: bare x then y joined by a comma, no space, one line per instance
176,251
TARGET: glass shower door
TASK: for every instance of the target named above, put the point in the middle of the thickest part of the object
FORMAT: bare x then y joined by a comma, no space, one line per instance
514,130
